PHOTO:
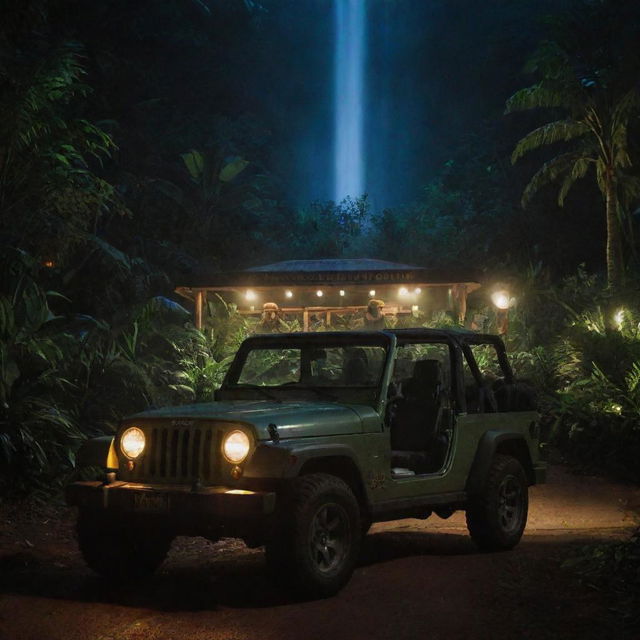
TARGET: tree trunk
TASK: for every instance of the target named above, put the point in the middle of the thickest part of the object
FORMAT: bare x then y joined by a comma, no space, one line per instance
615,263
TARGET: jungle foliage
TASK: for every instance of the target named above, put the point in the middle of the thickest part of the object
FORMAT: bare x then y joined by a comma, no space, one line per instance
143,141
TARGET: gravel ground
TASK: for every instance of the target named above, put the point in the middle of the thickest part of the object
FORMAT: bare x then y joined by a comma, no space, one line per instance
415,579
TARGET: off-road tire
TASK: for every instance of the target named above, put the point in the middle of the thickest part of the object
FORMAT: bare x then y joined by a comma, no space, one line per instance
317,541
497,516
119,552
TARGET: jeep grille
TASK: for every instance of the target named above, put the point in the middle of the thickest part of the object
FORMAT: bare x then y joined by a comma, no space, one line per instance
178,454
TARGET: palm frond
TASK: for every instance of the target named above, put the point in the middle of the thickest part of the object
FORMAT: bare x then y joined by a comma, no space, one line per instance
549,172
537,96
579,170
621,157
558,131
625,107
629,187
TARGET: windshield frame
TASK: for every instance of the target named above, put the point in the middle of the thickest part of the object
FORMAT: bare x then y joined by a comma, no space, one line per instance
306,341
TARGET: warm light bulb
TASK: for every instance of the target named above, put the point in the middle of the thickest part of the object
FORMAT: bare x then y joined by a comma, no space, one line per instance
417,290
500,299
288,294
250,295
319,293
372,293
403,291
342,292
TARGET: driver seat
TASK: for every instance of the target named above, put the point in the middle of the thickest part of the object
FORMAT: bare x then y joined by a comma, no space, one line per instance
417,418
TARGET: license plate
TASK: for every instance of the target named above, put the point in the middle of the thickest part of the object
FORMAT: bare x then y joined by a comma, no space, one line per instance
151,502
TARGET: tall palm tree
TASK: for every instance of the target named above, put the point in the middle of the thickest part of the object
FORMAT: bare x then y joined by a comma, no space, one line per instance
597,95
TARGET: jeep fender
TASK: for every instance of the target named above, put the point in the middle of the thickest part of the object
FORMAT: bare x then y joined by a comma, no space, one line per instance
282,462
493,442
98,452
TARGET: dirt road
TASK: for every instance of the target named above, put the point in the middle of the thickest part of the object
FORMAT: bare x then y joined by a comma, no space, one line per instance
416,580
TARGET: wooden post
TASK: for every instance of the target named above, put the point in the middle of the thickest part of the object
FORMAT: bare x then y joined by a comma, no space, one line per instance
199,309
305,320
460,297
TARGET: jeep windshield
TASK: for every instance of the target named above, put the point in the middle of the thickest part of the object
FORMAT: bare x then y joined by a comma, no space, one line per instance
327,366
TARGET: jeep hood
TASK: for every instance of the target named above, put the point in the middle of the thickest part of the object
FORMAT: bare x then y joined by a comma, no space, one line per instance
297,419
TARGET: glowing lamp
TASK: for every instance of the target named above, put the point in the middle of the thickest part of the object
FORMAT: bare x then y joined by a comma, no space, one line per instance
319,293
236,446
132,442
501,300
288,294
417,290
403,291
372,293
250,295
342,292
415,308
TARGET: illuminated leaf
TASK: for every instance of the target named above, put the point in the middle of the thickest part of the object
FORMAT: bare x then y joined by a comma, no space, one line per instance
233,168
194,161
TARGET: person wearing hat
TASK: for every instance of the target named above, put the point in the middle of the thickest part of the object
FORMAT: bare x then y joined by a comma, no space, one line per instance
374,316
271,322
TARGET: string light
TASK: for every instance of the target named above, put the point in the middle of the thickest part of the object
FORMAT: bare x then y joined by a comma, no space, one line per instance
288,293
319,293
250,295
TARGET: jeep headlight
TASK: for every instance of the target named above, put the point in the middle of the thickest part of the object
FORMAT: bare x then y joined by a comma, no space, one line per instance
132,442
236,446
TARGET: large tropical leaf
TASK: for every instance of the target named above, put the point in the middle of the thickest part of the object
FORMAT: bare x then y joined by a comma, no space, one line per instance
194,161
558,131
578,170
232,168
535,97
550,172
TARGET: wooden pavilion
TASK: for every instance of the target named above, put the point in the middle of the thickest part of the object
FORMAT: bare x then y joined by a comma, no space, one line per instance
317,290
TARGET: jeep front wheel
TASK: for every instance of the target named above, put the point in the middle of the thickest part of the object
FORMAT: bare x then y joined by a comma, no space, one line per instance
497,516
318,540
118,551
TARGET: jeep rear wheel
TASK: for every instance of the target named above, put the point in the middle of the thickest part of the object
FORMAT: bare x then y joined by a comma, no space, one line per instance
496,518
318,540
117,551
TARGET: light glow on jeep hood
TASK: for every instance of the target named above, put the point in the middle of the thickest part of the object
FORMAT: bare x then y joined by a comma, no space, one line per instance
297,419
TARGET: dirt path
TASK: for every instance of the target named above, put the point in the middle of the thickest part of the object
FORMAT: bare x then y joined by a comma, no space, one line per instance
417,579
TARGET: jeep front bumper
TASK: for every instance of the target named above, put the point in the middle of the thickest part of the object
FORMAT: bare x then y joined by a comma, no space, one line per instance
177,505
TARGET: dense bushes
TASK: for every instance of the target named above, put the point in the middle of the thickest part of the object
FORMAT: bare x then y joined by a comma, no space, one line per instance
67,377
598,410
581,349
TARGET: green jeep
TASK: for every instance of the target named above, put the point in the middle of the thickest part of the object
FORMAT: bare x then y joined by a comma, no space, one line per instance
311,438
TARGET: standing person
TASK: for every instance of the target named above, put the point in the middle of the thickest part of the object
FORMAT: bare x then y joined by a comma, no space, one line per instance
271,322
374,316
